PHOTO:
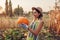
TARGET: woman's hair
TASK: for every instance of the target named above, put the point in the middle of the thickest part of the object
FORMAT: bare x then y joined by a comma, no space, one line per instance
39,12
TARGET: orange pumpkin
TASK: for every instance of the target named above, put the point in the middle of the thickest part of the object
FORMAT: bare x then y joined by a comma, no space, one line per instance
23,20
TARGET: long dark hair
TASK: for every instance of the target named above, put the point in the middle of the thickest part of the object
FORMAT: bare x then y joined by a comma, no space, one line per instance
39,12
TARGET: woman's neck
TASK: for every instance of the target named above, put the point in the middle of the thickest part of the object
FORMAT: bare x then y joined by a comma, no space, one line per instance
35,19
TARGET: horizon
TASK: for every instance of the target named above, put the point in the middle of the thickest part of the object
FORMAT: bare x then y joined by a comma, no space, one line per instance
46,5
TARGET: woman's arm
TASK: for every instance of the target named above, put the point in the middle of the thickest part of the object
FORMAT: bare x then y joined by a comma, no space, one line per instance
38,29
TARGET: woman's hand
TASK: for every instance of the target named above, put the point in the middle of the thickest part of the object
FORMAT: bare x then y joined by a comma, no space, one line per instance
24,26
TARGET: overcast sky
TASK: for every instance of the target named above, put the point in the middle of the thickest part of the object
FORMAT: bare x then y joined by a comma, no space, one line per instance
46,5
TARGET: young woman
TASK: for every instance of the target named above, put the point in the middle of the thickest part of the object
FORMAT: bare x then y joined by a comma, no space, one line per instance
36,25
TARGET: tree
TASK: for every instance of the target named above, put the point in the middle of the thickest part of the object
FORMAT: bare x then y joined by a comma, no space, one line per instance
18,11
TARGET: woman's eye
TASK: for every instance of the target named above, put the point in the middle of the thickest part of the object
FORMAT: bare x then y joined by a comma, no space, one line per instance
34,12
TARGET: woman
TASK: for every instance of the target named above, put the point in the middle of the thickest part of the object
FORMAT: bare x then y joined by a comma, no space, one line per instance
36,25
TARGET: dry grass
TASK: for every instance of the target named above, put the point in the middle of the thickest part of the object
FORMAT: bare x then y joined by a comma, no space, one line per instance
7,22
54,16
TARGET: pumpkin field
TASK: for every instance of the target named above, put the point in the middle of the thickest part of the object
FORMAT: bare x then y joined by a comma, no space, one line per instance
9,29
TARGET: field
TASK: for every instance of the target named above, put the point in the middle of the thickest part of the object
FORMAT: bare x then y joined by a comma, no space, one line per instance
9,29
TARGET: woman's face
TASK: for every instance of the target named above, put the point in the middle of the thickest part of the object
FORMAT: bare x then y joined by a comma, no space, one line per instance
35,13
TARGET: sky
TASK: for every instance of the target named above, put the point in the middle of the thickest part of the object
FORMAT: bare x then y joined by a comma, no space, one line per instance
46,5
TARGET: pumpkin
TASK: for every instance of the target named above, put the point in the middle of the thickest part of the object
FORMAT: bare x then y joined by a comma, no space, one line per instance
23,20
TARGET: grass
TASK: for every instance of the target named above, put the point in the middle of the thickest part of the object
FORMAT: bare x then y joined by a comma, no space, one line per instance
9,29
